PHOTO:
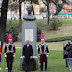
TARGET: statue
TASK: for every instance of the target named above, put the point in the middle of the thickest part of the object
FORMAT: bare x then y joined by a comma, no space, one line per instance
29,32
29,16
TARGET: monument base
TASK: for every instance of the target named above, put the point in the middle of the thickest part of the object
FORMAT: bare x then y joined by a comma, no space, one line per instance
21,61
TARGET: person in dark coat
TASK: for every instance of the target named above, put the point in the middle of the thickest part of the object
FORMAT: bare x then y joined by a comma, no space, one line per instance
65,52
27,55
69,49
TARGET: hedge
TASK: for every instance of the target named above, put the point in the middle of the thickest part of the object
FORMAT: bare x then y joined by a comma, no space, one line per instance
59,39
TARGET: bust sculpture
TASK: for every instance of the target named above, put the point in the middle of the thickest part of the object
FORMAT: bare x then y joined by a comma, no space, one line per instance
29,16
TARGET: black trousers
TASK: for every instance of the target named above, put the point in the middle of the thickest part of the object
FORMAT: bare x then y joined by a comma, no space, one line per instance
42,66
27,66
9,65
66,61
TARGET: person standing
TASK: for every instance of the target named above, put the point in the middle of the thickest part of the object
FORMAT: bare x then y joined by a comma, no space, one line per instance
43,52
65,52
69,49
27,55
9,52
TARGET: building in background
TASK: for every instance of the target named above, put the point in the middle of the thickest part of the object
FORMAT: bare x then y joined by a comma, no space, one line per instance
65,13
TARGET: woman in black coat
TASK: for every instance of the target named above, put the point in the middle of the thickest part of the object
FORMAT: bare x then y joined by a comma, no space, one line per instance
65,52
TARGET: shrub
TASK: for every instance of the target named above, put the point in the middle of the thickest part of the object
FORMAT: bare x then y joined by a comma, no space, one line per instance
59,39
55,24
14,31
12,23
33,65
39,32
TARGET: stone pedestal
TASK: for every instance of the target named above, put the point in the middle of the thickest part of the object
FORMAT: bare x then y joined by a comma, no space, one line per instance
21,61
29,32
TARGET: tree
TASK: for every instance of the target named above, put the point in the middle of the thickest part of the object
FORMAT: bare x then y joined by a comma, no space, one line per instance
20,21
17,5
14,7
3,20
43,10
59,6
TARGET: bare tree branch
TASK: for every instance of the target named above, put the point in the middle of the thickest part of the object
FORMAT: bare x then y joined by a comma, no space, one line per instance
44,2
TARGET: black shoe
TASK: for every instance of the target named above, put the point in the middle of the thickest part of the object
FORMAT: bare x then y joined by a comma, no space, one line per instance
8,70
46,70
11,71
41,70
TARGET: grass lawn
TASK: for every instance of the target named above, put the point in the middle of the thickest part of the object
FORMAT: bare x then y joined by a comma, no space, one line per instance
52,46
56,63
65,30
66,21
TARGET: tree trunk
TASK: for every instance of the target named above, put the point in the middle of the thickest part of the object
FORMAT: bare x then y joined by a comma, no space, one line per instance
20,21
48,12
1,32
3,20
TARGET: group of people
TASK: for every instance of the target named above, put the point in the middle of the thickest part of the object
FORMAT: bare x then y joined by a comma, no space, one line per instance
67,51
43,53
10,50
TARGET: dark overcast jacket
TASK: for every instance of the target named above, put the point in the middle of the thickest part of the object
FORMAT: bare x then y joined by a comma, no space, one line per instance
69,49
27,52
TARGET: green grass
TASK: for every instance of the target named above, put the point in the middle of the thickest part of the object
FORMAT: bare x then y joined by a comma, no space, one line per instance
52,45
64,31
56,63
66,21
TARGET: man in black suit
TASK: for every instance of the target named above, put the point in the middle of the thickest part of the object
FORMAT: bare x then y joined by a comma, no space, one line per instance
69,49
27,55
